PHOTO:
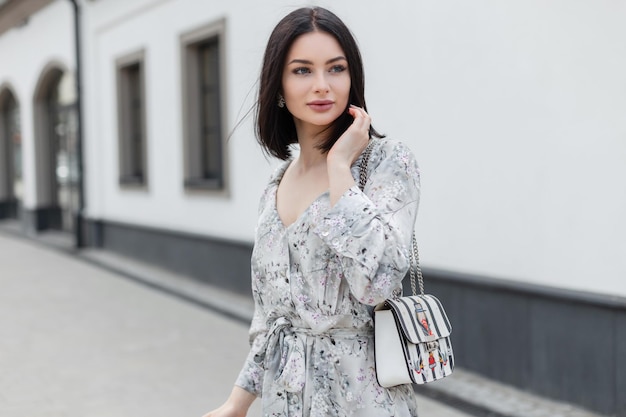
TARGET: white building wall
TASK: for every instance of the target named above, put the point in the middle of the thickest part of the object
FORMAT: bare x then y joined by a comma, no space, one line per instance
522,138
511,108
117,28
156,28
25,52
515,111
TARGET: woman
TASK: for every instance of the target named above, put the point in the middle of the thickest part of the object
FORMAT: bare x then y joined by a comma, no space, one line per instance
325,252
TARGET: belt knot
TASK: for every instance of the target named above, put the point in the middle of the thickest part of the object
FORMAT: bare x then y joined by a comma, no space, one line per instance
282,356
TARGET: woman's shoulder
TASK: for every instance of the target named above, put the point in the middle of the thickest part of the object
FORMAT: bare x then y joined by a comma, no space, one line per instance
274,179
390,145
279,171
389,151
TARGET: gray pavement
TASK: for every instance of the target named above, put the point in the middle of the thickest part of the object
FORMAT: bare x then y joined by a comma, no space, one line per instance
77,339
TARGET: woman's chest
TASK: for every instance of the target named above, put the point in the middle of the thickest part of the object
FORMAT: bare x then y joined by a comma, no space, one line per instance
293,262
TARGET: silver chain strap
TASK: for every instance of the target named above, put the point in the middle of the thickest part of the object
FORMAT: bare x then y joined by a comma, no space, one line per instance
415,270
364,162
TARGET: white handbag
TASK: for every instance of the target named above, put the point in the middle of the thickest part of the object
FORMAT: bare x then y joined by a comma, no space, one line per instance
411,334
412,341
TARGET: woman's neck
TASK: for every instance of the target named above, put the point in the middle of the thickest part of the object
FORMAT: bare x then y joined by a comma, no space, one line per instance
310,154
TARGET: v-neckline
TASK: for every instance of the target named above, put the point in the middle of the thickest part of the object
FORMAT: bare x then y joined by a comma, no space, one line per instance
279,177
300,216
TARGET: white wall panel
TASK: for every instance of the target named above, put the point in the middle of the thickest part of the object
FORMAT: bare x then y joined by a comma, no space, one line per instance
522,140
515,110
25,52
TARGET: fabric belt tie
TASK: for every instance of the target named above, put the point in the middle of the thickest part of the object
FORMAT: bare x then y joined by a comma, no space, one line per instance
283,358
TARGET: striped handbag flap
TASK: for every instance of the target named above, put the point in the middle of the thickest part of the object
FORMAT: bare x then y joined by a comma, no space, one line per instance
422,317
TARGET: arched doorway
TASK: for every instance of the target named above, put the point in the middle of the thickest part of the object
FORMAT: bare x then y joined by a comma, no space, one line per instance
55,142
10,155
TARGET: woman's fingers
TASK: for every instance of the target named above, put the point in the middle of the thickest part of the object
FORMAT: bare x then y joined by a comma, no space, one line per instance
362,120
350,145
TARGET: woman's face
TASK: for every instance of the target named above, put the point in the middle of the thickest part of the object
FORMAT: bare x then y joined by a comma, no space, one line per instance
316,81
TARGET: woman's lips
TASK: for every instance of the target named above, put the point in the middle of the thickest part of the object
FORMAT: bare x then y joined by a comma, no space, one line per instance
321,105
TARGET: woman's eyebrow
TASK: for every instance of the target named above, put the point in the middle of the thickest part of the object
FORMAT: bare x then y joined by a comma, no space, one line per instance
307,62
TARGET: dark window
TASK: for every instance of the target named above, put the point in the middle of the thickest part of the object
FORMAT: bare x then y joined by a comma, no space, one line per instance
131,111
203,114
210,139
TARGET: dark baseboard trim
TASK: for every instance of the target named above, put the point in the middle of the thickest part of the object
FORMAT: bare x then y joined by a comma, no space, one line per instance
561,344
197,301
41,218
221,262
9,209
534,290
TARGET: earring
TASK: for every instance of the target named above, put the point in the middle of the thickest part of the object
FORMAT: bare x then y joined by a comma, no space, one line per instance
281,101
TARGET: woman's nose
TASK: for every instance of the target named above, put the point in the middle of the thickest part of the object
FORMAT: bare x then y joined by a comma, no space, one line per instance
321,84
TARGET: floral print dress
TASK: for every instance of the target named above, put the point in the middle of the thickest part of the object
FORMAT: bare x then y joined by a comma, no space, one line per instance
315,283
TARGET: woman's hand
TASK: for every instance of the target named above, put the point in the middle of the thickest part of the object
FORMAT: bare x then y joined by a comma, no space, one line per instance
225,411
345,151
237,404
353,141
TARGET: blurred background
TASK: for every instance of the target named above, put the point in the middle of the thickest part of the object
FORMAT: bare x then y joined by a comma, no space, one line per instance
125,126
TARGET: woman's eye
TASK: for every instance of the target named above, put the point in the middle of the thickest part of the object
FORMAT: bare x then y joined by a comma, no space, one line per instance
301,70
338,68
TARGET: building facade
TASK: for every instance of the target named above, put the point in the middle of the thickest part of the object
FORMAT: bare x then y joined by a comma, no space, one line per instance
515,111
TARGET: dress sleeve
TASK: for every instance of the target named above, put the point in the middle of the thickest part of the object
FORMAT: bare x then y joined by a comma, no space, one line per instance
370,231
251,376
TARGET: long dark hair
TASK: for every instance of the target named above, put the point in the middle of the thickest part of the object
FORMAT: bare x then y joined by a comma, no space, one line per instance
275,128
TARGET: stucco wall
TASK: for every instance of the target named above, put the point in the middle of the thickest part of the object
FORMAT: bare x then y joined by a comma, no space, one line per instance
26,53
515,111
